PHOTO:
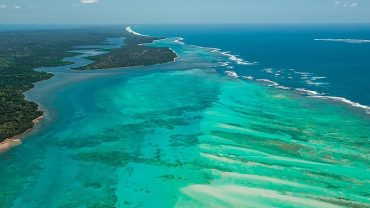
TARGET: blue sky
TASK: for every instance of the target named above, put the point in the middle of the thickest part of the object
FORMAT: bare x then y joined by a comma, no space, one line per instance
183,11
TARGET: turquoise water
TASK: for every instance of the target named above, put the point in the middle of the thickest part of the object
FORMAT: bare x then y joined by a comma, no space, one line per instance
182,134
290,55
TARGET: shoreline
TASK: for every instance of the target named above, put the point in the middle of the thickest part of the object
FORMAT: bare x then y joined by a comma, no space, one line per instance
17,111
16,140
132,55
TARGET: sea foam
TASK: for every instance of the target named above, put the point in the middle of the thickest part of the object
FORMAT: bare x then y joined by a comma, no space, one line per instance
236,59
346,101
179,41
309,82
129,29
248,77
268,82
345,40
307,92
224,63
232,74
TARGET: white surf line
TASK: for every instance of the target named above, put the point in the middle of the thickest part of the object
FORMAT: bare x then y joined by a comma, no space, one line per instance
346,101
307,92
235,58
232,74
345,40
312,93
248,77
268,82
179,41
240,61
227,54
129,30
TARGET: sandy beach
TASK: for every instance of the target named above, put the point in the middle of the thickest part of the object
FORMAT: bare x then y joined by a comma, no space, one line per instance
17,140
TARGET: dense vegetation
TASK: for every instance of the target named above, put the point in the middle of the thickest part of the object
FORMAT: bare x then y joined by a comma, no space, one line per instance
20,53
132,54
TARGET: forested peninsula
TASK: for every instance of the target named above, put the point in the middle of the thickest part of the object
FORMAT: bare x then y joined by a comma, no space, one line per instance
133,53
23,51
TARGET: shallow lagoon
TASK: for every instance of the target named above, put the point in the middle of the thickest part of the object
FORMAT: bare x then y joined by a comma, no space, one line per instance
183,134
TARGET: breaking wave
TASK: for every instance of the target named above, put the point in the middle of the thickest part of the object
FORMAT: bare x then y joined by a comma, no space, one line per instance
129,30
345,40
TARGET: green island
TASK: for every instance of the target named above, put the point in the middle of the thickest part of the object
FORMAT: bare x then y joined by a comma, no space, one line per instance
23,51
132,53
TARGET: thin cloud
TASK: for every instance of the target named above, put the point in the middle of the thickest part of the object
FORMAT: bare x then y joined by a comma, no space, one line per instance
336,2
345,4
2,6
89,1
17,6
355,4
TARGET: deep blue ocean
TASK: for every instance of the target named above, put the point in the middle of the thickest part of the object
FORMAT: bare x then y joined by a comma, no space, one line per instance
289,54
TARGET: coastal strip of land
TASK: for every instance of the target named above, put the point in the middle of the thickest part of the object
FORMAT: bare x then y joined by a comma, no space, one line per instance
23,51
133,53
17,139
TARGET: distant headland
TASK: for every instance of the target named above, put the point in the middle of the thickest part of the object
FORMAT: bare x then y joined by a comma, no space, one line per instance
133,53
